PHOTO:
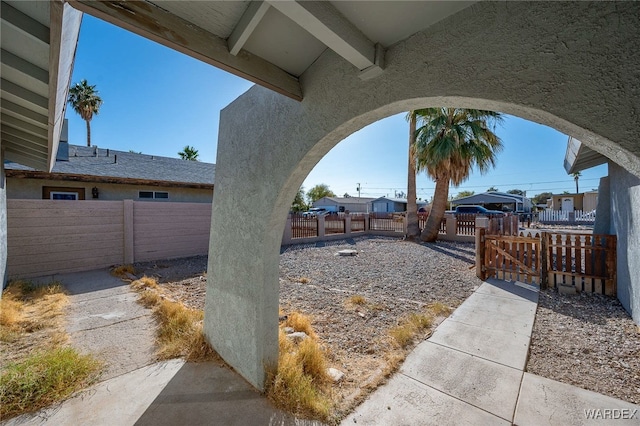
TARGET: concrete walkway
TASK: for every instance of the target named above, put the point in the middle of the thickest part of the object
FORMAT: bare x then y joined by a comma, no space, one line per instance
471,372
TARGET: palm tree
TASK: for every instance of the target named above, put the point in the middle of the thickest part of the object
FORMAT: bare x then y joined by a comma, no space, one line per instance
576,177
450,142
189,153
85,101
413,225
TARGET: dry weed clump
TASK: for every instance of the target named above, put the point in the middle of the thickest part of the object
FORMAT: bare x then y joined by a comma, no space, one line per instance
123,271
357,299
301,384
38,369
405,332
180,332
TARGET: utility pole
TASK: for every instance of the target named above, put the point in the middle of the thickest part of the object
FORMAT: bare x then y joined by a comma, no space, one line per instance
358,189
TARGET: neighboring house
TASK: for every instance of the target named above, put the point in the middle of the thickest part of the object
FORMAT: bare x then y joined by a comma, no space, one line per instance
586,202
342,204
497,201
391,205
82,173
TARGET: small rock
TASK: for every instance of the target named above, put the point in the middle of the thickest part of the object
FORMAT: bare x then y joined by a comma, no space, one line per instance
130,276
298,336
288,330
335,374
347,253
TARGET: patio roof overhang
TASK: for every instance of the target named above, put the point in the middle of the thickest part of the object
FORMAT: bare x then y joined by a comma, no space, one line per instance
38,46
580,157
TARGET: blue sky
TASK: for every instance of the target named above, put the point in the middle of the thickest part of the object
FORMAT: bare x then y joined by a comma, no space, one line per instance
157,101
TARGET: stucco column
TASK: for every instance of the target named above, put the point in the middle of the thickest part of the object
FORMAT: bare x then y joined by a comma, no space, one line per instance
538,62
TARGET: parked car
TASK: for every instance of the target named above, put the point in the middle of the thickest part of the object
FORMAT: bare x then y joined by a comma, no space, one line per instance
314,211
477,210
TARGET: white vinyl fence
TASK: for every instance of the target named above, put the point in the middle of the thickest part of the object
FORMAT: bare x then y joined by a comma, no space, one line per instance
559,216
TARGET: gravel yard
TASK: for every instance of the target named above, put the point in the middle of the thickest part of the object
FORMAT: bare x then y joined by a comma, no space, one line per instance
585,340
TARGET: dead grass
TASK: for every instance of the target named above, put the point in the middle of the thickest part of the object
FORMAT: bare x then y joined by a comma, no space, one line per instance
304,280
439,309
357,299
301,385
404,333
300,322
122,271
180,333
38,368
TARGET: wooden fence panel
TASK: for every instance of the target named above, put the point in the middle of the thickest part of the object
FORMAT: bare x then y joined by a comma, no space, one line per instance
334,224
303,227
585,261
357,222
46,237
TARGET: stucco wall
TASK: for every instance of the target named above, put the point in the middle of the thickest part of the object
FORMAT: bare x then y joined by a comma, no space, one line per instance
3,224
603,210
31,189
625,223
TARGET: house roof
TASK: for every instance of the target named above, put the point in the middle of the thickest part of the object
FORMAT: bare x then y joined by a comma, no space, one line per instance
106,165
350,200
399,200
490,197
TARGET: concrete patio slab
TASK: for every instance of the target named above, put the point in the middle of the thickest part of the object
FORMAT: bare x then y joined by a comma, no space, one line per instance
110,308
207,394
509,289
504,347
132,342
547,402
478,382
119,401
497,313
404,401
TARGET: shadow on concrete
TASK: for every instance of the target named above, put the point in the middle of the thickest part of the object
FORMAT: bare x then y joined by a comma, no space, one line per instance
84,282
208,394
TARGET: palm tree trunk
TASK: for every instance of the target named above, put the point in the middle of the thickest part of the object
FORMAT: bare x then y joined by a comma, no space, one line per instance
88,133
438,207
577,192
413,226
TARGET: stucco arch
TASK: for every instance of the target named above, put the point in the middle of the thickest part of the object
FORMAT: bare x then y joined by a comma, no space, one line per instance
571,66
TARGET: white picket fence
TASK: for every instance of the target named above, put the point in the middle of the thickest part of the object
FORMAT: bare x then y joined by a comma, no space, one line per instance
576,216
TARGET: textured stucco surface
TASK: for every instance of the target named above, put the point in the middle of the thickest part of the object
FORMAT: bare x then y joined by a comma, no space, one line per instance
569,65
625,223
603,210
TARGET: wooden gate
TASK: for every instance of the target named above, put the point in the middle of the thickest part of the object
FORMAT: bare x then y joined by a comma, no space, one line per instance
511,258
584,261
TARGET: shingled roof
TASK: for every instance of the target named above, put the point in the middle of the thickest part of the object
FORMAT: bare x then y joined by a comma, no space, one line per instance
106,165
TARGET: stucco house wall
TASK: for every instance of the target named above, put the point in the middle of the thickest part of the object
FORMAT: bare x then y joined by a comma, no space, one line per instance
31,189
353,204
625,223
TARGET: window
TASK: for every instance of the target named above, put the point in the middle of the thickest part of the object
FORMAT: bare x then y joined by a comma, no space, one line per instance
62,193
164,195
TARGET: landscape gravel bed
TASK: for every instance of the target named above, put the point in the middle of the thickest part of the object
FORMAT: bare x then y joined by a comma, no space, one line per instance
589,341
585,340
